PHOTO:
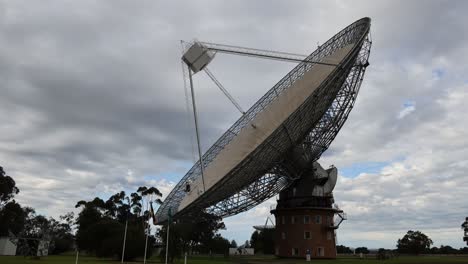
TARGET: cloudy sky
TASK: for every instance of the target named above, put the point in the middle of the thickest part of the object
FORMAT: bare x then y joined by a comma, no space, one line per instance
92,102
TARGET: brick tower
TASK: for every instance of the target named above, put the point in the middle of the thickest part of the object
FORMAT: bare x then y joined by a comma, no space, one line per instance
305,216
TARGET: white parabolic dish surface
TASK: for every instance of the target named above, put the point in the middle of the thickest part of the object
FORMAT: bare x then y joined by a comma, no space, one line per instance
264,124
246,165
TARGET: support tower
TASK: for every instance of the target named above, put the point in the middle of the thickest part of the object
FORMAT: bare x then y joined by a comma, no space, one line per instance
305,216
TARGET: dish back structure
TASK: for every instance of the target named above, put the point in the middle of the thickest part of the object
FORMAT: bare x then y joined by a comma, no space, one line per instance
305,134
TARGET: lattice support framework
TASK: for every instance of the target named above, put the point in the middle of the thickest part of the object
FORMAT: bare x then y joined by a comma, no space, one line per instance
309,131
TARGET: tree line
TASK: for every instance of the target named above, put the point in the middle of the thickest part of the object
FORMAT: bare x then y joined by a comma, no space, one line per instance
27,228
99,227
194,234
101,224
412,243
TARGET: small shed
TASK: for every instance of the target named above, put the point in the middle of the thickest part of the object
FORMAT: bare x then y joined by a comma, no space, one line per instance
7,246
241,251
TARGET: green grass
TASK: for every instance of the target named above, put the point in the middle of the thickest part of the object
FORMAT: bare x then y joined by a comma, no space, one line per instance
69,259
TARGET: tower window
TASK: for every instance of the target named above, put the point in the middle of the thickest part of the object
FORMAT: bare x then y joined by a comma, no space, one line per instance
329,235
294,219
318,219
283,235
295,252
307,235
320,252
283,220
306,219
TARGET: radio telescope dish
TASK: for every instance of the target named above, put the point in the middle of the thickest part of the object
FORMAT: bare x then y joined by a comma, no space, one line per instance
294,121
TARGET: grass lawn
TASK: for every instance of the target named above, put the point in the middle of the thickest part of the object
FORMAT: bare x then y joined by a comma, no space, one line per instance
242,260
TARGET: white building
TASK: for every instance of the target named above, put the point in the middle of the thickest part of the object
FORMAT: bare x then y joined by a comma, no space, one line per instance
241,251
7,247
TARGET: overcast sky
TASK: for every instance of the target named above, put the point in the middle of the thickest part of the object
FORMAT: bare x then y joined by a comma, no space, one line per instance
92,102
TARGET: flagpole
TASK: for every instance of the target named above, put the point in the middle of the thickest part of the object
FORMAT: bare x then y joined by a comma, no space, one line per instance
147,233
125,233
167,241
169,213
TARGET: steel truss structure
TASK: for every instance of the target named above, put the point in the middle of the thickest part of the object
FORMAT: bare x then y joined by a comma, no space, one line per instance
306,134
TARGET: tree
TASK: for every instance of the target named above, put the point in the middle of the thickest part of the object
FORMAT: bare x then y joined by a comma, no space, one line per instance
247,244
152,191
219,245
193,232
414,242
89,215
340,249
148,195
255,241
233,244
434,250
12,216
263,241
135,203
447,250
104,238
36,228
177,241
62,238
24,223
362,250
12,219
8,188
101,226
383,254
